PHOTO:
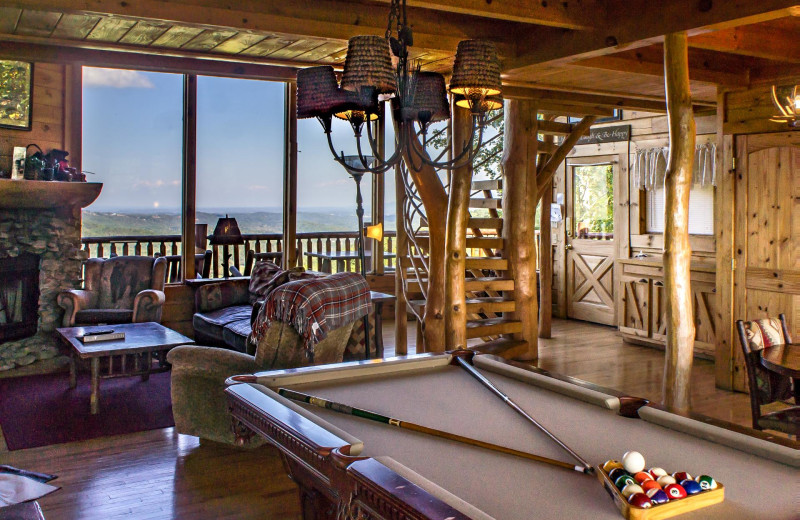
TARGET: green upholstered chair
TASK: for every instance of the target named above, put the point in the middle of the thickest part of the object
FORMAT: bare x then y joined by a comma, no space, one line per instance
122,289
199,373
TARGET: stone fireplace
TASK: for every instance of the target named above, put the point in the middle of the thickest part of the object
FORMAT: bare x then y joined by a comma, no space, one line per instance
19,296
40,231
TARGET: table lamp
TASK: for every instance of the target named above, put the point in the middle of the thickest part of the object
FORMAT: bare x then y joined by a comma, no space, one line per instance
226,234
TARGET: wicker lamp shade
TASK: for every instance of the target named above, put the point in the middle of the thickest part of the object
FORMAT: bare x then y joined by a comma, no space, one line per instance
369,65
350,103
429,103
317,91
488,104
476,69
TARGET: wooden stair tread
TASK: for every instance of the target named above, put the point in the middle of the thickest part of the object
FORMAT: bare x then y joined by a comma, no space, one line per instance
487,262
489,304
488,184
492,327
485,203
485,242
503,347
488,283
485,223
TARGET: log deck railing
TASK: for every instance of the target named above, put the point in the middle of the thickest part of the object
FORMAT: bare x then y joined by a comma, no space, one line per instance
150,245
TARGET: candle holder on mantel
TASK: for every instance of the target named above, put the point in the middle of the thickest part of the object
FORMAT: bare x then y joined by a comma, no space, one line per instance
226,233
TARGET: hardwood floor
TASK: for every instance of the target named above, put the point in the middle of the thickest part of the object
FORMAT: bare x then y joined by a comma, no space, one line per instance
163,475
160,475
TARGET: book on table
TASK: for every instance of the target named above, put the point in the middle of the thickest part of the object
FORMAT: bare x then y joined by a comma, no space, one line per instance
104,335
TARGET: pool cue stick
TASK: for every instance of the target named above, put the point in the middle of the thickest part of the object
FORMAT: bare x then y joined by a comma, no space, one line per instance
488,384
366,414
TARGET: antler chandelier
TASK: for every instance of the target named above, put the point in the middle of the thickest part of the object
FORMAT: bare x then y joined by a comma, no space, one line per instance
376,70
787,100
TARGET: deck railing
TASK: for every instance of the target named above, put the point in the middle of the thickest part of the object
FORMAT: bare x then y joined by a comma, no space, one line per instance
318,242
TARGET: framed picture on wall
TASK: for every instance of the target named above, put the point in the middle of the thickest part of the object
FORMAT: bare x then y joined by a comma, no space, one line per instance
16,94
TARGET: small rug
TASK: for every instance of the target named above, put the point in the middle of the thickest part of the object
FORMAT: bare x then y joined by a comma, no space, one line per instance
43,410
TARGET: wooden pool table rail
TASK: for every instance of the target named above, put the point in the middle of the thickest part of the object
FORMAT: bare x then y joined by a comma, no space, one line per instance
320,463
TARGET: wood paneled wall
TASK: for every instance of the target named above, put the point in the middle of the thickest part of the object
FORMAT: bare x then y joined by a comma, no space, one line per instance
647,130
758,223
53,118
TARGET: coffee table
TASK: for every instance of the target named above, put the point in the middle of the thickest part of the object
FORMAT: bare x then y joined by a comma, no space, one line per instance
132,356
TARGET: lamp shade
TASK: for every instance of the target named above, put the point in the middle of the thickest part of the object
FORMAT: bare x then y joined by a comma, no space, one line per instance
369,65
226,233
351,103
476,69
429,102
317,91
488,104
375,232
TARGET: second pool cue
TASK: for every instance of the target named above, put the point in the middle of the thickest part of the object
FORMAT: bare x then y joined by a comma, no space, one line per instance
488,384
366,414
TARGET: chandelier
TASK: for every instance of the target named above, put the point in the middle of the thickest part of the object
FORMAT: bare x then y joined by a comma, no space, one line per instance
787,100
377,70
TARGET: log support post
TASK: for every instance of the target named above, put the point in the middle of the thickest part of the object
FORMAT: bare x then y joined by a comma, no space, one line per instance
456,243
401,305
520,196
677,252
546,256
434,198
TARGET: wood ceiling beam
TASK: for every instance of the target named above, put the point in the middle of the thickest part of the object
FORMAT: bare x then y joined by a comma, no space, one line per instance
572,98
705,66
27,51
752,40
327,19
775,74
635,23
576,14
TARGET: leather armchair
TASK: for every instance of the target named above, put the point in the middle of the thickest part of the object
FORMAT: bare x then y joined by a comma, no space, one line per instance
123,289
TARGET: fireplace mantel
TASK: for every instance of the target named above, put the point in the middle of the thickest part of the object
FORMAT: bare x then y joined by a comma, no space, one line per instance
47,194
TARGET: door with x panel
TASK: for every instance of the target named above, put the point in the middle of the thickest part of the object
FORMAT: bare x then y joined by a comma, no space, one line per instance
590,241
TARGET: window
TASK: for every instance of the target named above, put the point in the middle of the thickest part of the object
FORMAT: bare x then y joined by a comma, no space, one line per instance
701,210
240,152
593,202
132,142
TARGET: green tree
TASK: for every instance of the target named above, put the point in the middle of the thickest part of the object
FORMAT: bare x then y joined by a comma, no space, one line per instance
14,92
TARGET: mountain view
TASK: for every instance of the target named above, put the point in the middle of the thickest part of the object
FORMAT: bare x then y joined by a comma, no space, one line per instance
142,222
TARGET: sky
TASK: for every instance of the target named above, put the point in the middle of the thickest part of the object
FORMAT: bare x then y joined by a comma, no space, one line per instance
132,142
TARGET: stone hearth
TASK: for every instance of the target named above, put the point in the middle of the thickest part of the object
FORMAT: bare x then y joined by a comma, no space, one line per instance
54,234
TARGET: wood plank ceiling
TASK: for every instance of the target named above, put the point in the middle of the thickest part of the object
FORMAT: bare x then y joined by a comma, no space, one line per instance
596,47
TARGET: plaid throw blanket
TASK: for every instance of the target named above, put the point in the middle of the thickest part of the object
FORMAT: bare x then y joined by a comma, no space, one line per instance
315,307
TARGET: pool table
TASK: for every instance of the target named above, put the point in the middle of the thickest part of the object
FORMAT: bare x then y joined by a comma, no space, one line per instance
348,466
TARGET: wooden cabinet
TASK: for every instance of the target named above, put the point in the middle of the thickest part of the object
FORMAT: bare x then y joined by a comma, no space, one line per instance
642,311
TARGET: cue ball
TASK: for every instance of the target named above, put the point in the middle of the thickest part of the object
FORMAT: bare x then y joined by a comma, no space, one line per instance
633,461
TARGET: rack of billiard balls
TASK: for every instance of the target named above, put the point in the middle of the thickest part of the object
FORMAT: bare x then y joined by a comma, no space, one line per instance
653,493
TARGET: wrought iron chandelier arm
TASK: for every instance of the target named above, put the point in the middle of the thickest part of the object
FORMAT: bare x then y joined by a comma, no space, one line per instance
464,158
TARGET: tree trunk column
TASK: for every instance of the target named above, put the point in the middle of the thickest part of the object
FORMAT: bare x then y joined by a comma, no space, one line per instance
456,244
677,252
520,195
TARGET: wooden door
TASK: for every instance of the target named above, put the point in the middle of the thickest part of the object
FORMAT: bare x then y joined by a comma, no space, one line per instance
591,239
766,233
